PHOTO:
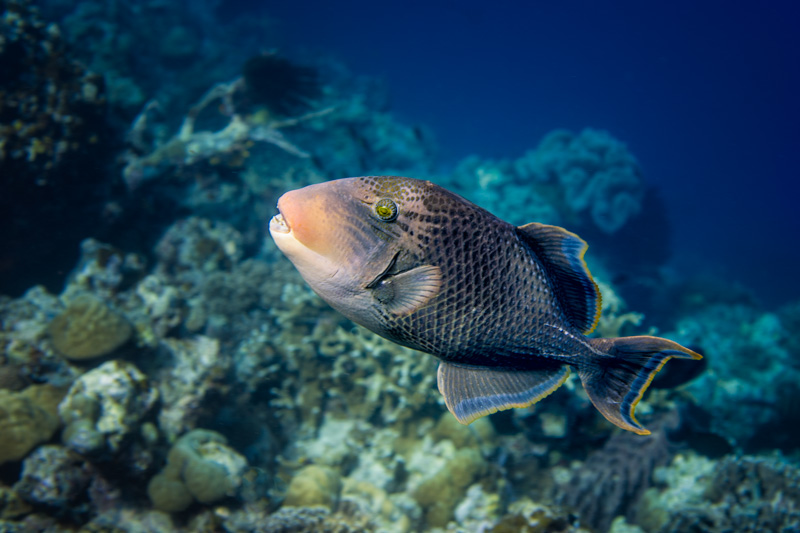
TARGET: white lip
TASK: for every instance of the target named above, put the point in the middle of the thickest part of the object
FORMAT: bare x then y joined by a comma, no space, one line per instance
278,225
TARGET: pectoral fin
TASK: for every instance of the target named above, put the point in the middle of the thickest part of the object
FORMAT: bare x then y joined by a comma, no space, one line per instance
404,293
473,392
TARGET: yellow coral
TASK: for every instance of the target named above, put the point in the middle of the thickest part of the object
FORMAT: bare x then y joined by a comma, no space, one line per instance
439,494
200,466
88,328
27,419
313,485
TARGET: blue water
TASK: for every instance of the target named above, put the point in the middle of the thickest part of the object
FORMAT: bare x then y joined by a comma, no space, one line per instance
703,93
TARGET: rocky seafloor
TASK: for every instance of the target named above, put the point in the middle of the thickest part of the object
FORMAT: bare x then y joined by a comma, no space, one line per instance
164,368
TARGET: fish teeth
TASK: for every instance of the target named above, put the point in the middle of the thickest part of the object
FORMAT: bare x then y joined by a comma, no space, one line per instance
277,223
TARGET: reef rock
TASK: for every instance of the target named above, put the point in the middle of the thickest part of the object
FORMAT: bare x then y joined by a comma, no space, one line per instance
53,476
105,406
194,368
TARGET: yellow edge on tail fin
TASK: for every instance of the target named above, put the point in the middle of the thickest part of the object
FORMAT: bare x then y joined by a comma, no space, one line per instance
634,363
638,428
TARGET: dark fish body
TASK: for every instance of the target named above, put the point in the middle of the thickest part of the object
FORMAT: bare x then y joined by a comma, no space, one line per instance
505,308
497,306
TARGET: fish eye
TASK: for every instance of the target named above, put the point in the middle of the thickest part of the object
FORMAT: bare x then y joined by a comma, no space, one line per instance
386,209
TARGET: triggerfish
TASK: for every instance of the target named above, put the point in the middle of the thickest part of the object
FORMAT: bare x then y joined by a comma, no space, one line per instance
506,309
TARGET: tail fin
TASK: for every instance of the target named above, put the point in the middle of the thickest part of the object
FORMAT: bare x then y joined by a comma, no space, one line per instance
616,381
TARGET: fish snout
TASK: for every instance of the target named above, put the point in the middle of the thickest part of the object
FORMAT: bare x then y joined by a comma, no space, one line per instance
305,214
277,224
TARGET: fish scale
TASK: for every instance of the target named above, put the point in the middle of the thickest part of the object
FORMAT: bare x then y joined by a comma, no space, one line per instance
511,317
506,309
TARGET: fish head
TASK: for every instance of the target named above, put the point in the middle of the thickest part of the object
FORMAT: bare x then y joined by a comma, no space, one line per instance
349,238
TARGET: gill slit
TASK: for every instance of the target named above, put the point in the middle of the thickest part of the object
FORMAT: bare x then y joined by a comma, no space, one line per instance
374,283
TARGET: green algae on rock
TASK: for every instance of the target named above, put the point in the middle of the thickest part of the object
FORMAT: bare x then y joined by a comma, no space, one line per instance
88,328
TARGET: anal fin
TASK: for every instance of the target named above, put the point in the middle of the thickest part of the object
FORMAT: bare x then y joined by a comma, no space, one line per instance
473,392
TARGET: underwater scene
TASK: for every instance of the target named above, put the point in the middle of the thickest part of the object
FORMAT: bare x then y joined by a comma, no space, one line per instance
322,267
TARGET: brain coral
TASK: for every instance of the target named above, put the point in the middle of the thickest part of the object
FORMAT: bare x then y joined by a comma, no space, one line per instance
27,418
200,466
88,328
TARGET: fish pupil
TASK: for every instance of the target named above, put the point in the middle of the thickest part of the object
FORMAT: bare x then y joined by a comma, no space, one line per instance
386,210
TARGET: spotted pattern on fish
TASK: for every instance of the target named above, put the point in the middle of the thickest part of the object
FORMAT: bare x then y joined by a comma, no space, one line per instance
505,308
497,304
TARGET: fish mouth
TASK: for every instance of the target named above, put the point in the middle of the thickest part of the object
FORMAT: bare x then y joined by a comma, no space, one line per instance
278,224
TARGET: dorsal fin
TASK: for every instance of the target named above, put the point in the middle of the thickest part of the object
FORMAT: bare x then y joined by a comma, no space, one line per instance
561,253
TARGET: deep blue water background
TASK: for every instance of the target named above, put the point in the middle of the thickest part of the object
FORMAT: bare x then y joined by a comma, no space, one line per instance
703,93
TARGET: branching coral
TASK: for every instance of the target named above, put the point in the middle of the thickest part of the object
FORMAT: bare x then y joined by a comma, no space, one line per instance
190,146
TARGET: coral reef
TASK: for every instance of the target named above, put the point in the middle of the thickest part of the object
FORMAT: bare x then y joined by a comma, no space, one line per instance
51,106
105,407
595,172
186,318
738,384
313,485
200,467
612,479
613,319
192,368
166,49
588,179
55,477
735,494
27,419
440,493
88,328
526,516
299,520
229,144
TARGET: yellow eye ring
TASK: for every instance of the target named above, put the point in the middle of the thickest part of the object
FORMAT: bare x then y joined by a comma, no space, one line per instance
386,209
